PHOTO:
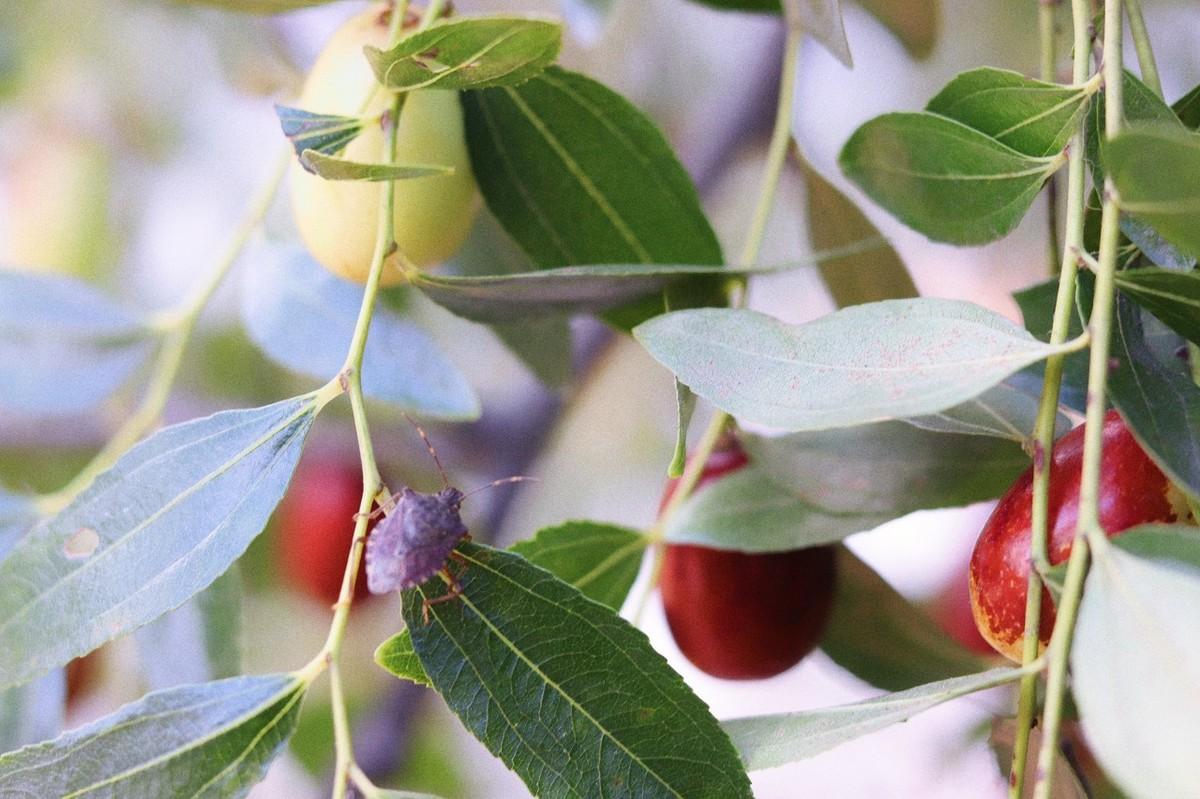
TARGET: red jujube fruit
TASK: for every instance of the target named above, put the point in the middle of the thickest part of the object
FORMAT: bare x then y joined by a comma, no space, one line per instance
744,616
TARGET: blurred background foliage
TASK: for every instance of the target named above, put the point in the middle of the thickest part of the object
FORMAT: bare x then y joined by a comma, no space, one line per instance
132,133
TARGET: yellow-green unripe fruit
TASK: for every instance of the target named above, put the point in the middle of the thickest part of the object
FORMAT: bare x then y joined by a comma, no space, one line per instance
337,218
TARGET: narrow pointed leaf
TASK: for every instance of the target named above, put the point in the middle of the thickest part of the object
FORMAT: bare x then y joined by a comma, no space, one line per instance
169,518
882,638
200,641
210,740
685,405
1157,174
1187,108
770,741
1031,116
564,691
834,223
64,347
884,360
1171,295
943,178
331,167
469,53
577,175
304,317
327,134
1135,667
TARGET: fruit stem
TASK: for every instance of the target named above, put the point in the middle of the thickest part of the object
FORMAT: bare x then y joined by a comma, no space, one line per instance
1064,310
176,327
777,150
1047,11
1141,43
1088,527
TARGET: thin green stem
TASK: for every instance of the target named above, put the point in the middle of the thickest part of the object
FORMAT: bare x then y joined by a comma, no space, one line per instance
1047,38
1064,309
177,327
1088,528
1141,43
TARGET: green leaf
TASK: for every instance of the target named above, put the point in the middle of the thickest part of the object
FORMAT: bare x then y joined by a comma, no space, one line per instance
1157,174
327,134
1155,395
821,19
750,512
209,740
17,514
808,489
835,223
1187,108
1002,411
770,741
169,518
884,360
200,641
64,347
1031,116
32,712
469,53
333,168
1171,295
943,178
397,656
303,317
1141,105
915,23
1178,543
577,175
601,560
880,637
1135,667
564,691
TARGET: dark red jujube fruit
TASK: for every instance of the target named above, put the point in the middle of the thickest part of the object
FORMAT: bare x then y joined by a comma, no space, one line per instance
1133,491
744,616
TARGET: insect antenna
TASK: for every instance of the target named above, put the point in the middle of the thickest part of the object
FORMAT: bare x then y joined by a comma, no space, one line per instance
519,478
432,451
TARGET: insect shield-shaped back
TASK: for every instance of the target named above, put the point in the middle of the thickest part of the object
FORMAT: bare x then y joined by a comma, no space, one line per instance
412,544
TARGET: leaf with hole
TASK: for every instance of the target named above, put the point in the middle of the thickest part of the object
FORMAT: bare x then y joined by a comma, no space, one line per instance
157,528
469,53
1137,621
770,741
64,347
1031,116
210,740
304,317
882,638
884,360
577,175
568,694
943,178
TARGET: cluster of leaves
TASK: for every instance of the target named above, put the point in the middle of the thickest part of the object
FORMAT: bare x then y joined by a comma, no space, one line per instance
892,394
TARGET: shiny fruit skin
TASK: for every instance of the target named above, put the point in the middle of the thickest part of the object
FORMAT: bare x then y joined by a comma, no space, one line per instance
316,525
1133,491
744,616
337,219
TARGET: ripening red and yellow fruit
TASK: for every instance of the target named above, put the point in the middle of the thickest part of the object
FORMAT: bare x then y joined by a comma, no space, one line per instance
337,219
739,615
315,525
1133,491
